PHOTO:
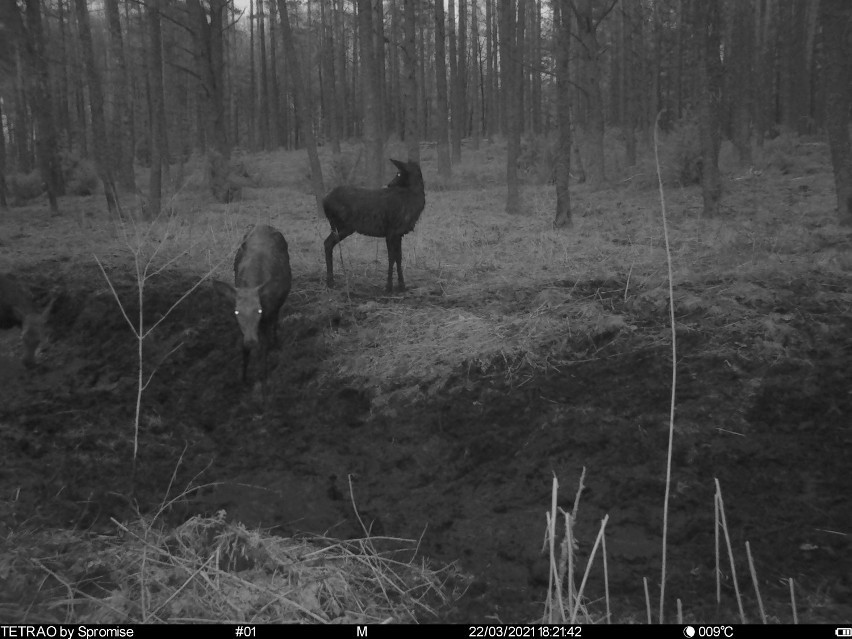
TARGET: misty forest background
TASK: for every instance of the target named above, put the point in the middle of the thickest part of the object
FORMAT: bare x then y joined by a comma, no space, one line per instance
90,91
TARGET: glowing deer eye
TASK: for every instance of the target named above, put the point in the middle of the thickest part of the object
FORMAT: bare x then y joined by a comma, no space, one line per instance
236,312
259,311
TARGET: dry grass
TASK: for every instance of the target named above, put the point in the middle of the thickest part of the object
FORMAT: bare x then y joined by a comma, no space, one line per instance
211,570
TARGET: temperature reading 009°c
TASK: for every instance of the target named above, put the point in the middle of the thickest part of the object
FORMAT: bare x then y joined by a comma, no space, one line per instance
708,631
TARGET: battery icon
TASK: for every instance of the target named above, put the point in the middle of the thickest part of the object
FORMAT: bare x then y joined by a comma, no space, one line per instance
843,632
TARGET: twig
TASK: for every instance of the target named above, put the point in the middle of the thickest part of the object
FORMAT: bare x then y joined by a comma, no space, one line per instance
754,582
674,370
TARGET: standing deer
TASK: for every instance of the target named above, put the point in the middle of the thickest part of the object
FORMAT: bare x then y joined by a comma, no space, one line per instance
390,213
261,284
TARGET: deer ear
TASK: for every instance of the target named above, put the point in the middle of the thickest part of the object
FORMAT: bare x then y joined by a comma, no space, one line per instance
225,290
400,165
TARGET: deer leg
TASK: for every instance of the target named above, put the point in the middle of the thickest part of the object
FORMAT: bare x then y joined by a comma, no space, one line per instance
391,258
398,256
334,238
330,242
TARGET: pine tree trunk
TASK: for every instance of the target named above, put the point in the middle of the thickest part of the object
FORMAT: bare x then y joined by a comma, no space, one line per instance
836,19
302,107
461,75
764,69
741,80
629,71
121,134
333,102
455,97
591,106
157,115
274,116
21,122
562,43
489,104
264,78
3,203
103,158
425,49
252,106
478,84
341,94
441,117
209,57
535,89
378,24
65,130
396,117
706,23
513,21
371,87
47,143
409,84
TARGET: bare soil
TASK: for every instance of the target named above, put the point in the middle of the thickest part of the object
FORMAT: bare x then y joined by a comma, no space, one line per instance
467,468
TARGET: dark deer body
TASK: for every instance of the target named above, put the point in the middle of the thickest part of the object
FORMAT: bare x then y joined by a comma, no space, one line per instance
18,309
262,282
390,213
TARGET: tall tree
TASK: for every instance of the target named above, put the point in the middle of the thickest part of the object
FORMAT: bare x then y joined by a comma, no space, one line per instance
536,61
461,72
836,22
423,78
793,73
490,103
157,111
64,119
740,78
341,93
706,21
371,87
252,106
331,105
208,33
562,44
477,84
104,160
274,116
121,130
590,111
263,98
409,84
764,67
47,143
3,202
441,124
513,22
302,110
628,98
455,87
285,130
396,116
21,122
384,120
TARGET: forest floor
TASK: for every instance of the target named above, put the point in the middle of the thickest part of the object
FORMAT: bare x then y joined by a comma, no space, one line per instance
519,353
